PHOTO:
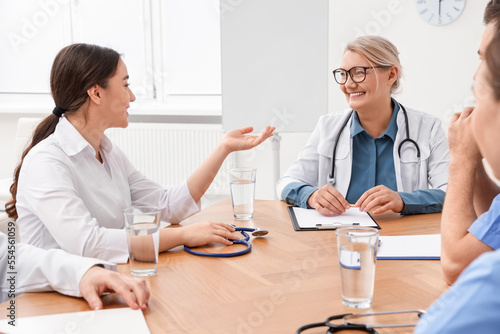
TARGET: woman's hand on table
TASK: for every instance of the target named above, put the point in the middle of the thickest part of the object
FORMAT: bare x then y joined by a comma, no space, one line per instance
206,232
98,280
328,200
381,196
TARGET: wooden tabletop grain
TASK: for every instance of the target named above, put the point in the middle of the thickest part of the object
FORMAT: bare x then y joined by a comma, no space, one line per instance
289,279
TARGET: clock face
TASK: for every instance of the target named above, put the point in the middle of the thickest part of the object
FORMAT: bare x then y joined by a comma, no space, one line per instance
440,12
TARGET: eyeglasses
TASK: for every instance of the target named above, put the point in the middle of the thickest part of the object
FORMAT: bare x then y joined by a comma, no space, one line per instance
357,73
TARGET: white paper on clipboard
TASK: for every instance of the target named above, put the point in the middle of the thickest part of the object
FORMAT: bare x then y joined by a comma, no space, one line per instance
308,218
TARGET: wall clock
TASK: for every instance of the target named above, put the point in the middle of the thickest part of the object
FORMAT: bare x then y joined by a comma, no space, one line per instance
440,12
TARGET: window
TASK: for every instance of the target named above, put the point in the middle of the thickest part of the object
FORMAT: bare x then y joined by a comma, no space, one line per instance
171,48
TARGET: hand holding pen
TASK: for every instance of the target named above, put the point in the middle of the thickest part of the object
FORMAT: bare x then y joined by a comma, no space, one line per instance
328,201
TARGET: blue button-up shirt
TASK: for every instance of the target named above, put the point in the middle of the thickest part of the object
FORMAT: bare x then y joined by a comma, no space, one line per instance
372,158
471,305
372,165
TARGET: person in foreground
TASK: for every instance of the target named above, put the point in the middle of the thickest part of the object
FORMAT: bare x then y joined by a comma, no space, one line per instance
47,270
471,304
72,183
383,154
471,213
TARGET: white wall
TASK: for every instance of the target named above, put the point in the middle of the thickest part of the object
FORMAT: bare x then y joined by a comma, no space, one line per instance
438,62
275,61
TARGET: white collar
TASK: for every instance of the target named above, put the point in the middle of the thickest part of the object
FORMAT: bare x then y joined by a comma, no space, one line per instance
72,142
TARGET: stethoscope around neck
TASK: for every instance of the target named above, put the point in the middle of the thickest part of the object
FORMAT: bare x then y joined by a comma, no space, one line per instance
406,140
256,232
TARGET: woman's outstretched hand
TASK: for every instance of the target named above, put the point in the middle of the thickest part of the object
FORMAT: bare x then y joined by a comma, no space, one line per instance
238,140
235,140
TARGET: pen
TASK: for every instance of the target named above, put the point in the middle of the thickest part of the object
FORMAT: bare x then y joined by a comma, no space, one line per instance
334,225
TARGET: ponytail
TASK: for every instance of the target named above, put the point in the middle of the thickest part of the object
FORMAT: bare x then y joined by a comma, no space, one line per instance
42,131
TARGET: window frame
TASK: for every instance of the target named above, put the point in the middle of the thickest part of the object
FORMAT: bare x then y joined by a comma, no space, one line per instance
160,103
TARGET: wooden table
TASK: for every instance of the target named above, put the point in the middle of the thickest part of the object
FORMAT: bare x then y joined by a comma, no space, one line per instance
289,279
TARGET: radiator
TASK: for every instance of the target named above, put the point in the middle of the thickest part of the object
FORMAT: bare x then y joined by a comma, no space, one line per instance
169,153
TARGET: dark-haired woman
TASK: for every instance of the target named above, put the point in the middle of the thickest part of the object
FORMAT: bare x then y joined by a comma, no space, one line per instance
72,184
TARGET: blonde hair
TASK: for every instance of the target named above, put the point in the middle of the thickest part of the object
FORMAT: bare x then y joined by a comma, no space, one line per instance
378,51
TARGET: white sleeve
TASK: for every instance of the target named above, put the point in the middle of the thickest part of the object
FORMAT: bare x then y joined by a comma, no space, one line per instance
35,269
439,158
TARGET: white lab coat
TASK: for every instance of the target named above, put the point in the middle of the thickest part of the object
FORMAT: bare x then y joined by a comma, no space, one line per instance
314,163
37,269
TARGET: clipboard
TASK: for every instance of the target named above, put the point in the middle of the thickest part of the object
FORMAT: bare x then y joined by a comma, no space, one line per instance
309,219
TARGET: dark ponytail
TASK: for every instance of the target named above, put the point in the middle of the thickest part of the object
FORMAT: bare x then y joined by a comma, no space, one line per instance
76,69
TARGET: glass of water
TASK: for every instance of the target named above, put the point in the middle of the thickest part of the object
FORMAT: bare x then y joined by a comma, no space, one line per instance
243,191
143,235
357,250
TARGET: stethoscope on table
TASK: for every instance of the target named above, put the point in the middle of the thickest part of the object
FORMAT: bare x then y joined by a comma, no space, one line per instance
406,140
256,232
347,325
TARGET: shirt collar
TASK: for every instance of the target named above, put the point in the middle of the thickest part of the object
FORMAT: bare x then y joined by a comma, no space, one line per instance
391,130
72,142
356,127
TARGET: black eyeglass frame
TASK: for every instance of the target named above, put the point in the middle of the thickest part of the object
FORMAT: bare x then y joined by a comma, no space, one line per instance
351,75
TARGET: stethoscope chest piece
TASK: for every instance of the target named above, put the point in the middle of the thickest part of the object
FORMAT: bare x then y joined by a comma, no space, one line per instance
259,232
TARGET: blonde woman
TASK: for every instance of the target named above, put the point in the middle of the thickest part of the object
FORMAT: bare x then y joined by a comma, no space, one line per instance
385,155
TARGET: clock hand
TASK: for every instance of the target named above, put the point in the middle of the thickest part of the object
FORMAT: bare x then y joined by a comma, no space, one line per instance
440,7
